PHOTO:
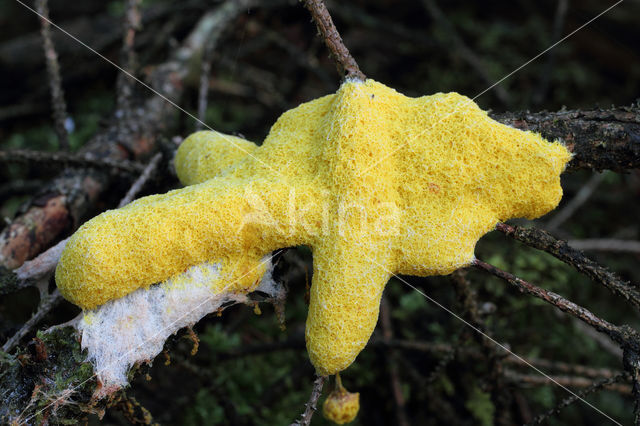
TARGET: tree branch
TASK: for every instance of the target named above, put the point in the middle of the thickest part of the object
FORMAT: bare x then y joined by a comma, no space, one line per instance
74,160
608,383
347,66
542,240
316,392
55,81
141,181
599,139
70,198
625,336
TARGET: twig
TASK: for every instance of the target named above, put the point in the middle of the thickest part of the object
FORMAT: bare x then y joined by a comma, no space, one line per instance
316,392
125,84
606,244
442,364
42,266
463,51
392,355
346,64
602,340
32,271
542,240
77,192
141,181
18,187
78,160
205,70
574,204
55,81
625,336
493,358
569,381
47,303
604,383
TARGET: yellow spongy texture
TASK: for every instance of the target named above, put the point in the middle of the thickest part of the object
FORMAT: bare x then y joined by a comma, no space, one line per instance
205,155
373,181
341,406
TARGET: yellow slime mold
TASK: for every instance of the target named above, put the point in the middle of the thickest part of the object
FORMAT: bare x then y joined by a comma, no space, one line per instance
373,181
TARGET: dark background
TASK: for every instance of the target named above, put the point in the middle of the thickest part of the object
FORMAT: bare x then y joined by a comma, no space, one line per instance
247,370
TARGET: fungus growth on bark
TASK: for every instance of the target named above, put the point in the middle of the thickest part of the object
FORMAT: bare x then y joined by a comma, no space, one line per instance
373,181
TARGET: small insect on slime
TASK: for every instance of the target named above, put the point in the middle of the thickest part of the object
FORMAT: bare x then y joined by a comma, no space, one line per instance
375,182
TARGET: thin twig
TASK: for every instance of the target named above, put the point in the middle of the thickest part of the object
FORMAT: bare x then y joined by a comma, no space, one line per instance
542,240
316,392
574,204
205,70
78,160
500,396
625,336
55,81
41,266
346,64
527,380
606,244
602,340
19,187
125,84
141,181
47,303
596,386
392,358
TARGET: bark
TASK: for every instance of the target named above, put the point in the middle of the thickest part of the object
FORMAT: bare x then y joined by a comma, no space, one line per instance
542,240
599,139
49,379
72,196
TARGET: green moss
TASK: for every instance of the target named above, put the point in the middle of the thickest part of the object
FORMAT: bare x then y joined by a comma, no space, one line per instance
480,405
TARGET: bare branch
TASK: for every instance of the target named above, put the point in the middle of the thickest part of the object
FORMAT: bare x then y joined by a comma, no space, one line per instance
76,160
47,303
125,84
346,64
55,81
609,383
625,336
74,194
42,266
599,139
316,392
141,181
203,90
606,244
542,240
